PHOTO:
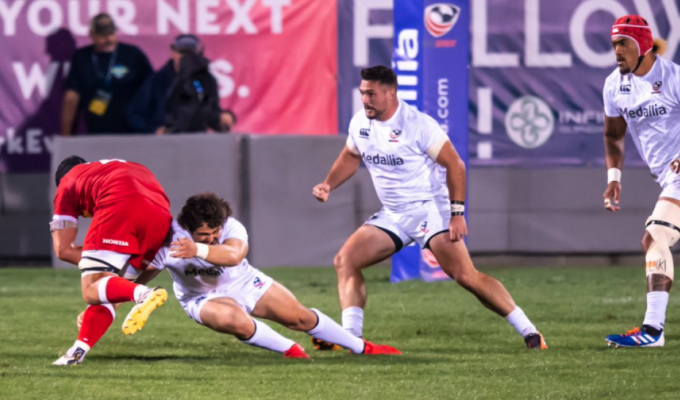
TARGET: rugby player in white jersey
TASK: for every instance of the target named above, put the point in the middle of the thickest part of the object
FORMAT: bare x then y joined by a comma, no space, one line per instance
219,289
420,180
642,96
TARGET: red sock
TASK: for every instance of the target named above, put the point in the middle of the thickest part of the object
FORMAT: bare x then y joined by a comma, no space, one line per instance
96,321
119,290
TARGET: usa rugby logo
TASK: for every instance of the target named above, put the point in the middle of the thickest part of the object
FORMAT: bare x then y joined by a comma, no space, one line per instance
394,135
440,18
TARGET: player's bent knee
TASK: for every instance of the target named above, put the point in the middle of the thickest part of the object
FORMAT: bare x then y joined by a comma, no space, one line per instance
303,321
234,324
341,263
663,226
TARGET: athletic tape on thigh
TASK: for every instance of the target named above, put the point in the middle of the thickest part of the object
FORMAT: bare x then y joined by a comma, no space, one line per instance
663,227
92,264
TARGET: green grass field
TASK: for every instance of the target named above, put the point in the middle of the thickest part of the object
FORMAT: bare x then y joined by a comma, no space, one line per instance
453,347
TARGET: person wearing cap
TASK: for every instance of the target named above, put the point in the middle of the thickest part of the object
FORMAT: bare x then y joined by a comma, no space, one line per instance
151,111
103,78
642,96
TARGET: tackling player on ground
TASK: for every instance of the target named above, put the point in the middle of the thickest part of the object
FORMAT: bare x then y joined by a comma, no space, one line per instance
130,219
219,289
643,96
420,180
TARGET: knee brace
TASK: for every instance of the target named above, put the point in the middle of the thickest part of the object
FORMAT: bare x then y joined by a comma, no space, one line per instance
664,227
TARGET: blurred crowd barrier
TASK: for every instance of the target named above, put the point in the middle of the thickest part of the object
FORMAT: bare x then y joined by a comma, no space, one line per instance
268,180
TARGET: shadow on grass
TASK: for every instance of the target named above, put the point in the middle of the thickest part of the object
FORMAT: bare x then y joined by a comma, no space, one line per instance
231,359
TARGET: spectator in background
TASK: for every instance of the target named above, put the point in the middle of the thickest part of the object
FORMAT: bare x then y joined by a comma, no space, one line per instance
103,79
182,96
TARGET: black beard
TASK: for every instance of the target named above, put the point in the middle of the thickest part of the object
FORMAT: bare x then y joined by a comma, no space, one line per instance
624,70
377,114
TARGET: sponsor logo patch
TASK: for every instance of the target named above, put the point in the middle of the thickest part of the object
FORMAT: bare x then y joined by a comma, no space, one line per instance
651,110
203,272
394,135
380,159
363,133
258,283
115,242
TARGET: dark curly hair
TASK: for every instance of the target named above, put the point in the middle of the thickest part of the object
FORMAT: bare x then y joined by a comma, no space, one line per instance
203,208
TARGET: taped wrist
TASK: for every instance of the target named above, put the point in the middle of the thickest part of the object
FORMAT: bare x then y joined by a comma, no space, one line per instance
457,208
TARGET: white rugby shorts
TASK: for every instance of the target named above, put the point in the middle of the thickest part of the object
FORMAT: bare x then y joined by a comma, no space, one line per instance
670,187
247,290
419,224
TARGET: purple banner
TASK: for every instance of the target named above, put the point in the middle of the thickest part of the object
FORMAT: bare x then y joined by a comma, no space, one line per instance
431,55
538,69
536,76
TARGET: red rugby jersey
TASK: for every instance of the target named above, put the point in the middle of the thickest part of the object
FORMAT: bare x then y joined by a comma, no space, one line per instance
104,182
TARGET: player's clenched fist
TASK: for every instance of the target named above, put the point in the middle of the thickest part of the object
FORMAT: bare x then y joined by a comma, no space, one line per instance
183,248
321,192
613,192
457,228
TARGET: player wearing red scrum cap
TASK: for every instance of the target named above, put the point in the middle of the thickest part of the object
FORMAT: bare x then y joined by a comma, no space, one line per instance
642,96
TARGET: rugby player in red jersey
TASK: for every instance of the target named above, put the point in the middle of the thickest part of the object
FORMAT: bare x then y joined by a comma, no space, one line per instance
130,219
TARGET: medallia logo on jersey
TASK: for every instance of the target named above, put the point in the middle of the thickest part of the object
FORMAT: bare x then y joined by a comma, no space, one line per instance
380,159
650,111
214,272
394,135
440,18
363,133
656,87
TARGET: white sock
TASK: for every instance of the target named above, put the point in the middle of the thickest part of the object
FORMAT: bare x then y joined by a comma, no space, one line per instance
520,322
140,293
328,330
353,320
78,345
656,309
267,338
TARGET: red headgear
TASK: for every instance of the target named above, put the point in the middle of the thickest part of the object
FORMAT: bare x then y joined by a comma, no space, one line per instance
635,28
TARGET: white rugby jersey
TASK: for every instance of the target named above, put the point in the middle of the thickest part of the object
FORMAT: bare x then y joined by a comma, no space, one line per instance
195,276
651,106
394,152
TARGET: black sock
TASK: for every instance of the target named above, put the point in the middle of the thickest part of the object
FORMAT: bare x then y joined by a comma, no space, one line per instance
650,330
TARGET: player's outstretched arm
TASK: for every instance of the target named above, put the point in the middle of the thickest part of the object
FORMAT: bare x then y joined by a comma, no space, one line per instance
149,274
456,181
228,254
614,140
62,240
343,168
